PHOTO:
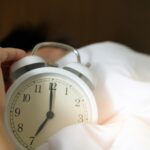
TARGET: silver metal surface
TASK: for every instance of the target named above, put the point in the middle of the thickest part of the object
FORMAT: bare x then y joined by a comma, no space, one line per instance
56,45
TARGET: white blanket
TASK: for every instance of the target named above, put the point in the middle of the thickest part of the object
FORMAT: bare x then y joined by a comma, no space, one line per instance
123,98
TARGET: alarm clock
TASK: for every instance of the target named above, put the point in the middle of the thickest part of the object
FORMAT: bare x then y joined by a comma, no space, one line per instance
45,98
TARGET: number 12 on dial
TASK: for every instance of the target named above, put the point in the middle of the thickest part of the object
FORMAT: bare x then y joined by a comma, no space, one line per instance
41,105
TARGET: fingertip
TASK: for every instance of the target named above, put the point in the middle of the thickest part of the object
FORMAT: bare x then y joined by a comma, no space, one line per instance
11,54
20,53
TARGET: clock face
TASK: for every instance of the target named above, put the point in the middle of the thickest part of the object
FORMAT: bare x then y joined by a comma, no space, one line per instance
42,105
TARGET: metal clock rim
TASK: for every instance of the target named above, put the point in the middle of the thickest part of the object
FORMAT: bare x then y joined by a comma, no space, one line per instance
61,72
58,45
41,71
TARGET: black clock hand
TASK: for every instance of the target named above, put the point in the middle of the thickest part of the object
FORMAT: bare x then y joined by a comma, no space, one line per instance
41,126
51,97
52,88
49,115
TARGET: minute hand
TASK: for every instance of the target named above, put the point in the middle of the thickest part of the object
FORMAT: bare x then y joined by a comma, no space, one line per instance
51,96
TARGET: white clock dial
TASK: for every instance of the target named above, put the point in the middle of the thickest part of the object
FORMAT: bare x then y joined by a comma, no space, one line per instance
42,105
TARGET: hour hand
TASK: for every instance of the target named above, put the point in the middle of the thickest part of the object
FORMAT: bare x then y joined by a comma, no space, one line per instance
41,126
49,115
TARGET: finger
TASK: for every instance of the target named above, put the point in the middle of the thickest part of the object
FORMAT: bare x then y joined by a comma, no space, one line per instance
10,54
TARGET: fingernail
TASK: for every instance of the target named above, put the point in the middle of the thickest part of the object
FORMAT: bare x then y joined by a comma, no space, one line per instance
20,53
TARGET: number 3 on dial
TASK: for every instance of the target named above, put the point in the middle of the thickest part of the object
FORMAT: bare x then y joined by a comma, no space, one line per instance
42,105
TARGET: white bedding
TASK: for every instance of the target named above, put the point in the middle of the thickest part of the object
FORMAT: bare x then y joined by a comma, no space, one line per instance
123,98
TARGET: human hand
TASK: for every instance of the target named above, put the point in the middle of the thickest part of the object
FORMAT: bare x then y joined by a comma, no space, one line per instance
7,55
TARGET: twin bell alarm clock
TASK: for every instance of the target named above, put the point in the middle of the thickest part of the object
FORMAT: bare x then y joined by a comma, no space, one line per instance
46,98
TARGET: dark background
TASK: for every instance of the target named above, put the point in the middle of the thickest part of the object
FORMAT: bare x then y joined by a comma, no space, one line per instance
82,21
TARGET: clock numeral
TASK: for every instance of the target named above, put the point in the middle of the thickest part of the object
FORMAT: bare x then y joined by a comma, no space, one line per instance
32,139
17,112
81,118
77,102
38,88
26,97
20,127
52,86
